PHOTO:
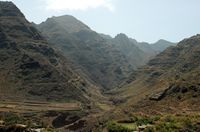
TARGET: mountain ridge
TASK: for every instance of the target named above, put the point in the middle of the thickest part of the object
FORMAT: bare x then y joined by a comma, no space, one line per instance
90,52
30,68
172,78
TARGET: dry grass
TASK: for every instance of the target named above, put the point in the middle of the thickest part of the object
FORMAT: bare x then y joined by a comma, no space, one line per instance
33,106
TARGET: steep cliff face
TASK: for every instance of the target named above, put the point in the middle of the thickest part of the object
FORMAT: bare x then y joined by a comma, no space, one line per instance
134,54
30,68
138,53
89,53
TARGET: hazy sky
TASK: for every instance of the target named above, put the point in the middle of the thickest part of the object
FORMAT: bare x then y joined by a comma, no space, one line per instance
144,20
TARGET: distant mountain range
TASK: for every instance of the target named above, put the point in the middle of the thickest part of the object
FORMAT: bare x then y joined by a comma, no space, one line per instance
104,60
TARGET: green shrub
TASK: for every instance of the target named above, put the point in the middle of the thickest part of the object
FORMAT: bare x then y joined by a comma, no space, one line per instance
11,119
155,118
114,127
144,121
149,129
188,124
166,127
169,119
48,130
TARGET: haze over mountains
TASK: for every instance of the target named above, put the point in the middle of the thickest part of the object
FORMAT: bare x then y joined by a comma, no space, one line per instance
109,79
89,52
106,61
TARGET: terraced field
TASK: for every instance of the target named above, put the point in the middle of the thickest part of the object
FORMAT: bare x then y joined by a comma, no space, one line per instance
34,106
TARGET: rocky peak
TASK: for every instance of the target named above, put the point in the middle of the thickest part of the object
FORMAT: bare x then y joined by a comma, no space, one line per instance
121,36
9,9
193,41
161,41
31,68
122,39
14,24
161,45
69,23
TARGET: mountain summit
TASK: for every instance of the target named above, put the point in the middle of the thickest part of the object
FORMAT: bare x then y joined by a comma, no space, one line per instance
89,53
9,9
67,22
30,67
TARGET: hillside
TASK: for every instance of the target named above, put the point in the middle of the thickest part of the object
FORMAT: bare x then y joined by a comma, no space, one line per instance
30,68
171,78
162,95
161,45
138,53
89,53
136,56
153,49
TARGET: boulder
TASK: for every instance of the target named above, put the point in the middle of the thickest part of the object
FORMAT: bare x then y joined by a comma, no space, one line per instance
158,96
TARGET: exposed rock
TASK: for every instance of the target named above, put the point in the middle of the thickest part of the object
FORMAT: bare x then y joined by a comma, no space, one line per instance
9,9
158,96
90,54
143,127
135,55
177,67
31,67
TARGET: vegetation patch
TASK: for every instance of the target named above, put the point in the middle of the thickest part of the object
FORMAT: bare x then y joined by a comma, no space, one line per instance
120,127
160,123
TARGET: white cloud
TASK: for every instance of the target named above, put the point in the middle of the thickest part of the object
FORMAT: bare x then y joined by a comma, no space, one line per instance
60,5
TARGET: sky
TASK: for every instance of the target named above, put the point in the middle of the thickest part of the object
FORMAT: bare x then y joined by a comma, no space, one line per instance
143,20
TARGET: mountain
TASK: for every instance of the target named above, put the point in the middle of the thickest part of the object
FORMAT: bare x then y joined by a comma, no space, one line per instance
30,68
171,78
161,45
105,61
105,36
163,95
89,52
138,53
146,48
77,62
153,49
134,54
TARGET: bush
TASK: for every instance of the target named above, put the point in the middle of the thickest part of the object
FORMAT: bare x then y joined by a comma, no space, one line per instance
155,118
144,121
114,127
188,124
149,129
166,127
169,119
11,119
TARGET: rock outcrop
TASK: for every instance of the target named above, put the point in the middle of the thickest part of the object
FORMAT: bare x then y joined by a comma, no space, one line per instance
30,67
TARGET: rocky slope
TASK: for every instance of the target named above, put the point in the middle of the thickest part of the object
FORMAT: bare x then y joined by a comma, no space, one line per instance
171,78
138,53
30,68
136,56
161,45
89,53
106,61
